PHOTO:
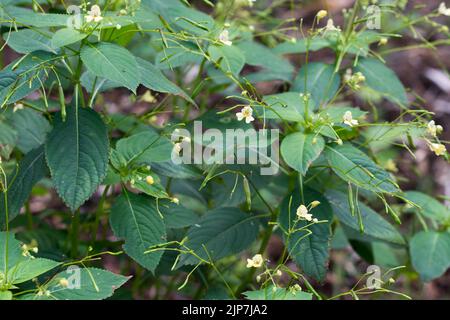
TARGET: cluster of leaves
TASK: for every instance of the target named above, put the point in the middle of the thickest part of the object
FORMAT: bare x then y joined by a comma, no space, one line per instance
172,219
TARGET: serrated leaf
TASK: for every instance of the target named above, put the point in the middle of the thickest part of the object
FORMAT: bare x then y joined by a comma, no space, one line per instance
28,17
354,166
222,232
286,106
66,36
178,216
429,207
230,58
156,189
29,269
112,62
144,148
154,79
382,79
135,219
94,284
31,127
275,293
318,79
430,253
299,150
310,252
28,40
31,169
77,152
258,55
375,226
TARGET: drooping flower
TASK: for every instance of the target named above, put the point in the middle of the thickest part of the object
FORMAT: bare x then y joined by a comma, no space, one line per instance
438,148
94,14
224,37
348,119
321,14
314,204
444,10
246,113
303,213
255,262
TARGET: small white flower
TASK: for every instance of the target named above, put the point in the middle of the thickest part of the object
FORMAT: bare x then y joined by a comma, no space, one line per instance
175,200
177,148
331,27
246,113
224,37
255,262
383,41
315,220
339,142
279,273
348,119
18,106
303,214
434,129
118,26
438,149
444,10
94,14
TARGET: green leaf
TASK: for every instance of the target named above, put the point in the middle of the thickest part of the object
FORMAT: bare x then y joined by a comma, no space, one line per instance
9,258
110,61
300,46
382,79
286,106
135,218
178,216
144,148
310,252
94,284
430,207
28,17
430,253
6,295
31,169
154,79
28,40
299,150
275,293
77,152
139,182
354,166
258,55
66,36
375,226
23,76
230,58
29,269
31,127
318,79
179,171
222,232
8,136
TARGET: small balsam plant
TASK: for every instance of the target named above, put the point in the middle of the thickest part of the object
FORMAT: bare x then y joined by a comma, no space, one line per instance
204,228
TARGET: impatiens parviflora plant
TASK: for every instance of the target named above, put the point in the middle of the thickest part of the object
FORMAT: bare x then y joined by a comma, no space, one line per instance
199,222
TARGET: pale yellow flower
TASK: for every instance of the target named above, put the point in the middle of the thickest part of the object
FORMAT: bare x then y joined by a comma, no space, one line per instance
94,14
321,14
303,214
314,204
348,119
339,142
331,27
383,41
150,180
63,282
434,129
438,149
224,37
246,113
175,200
255,262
